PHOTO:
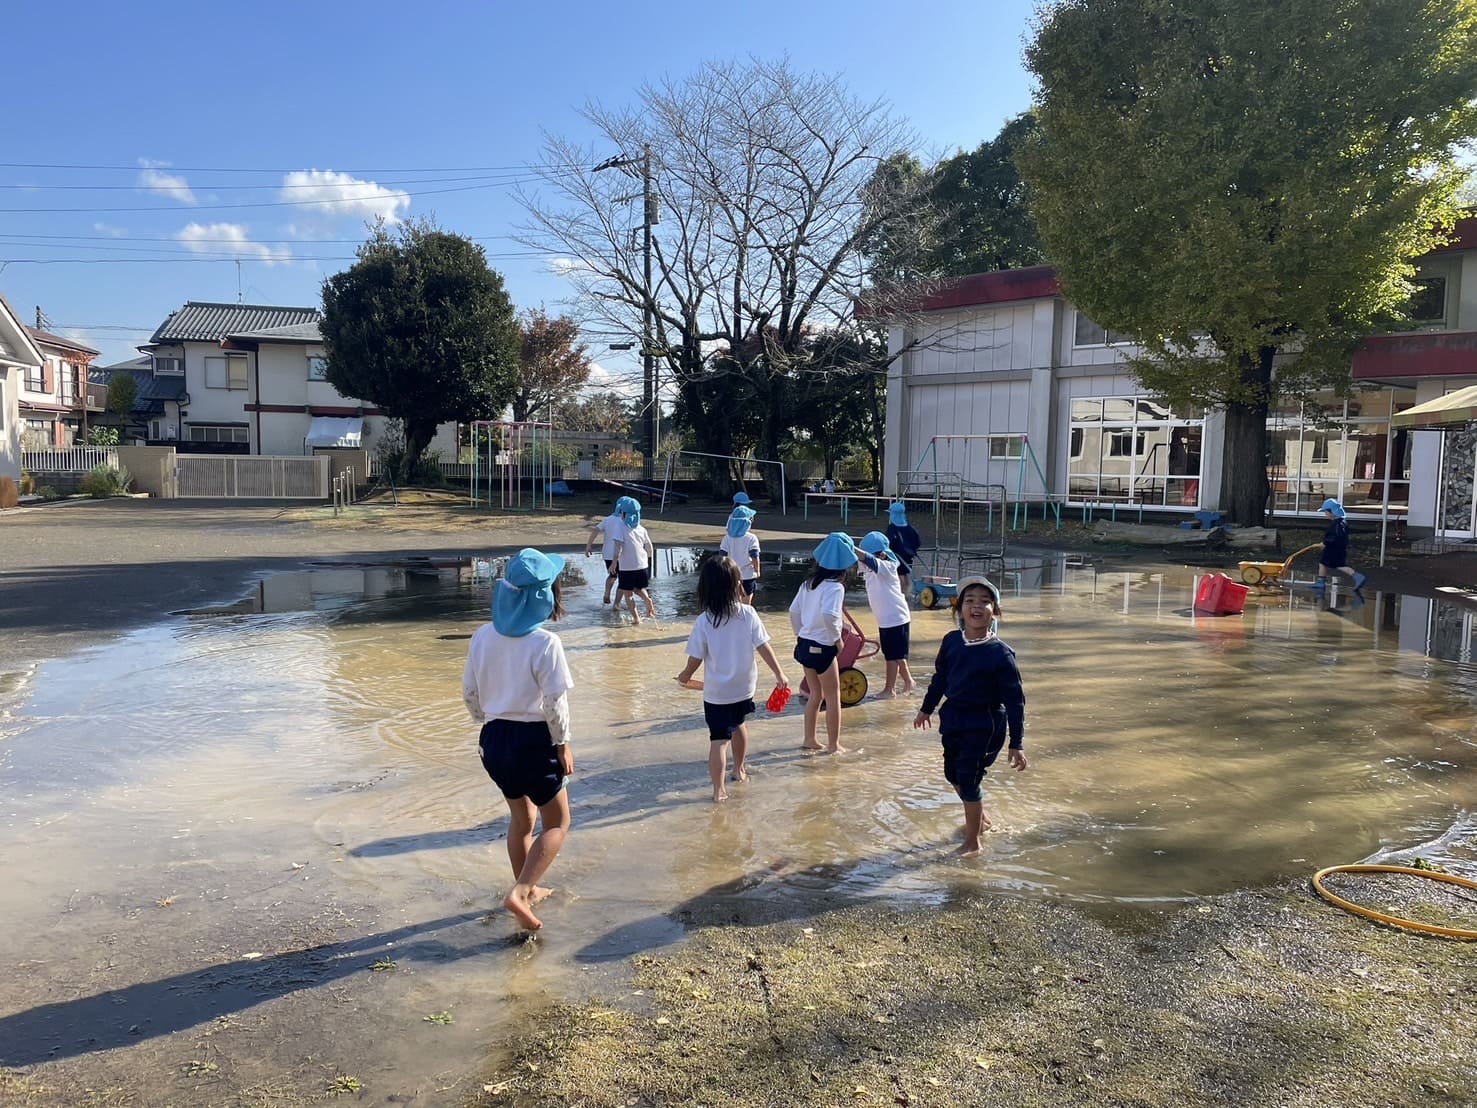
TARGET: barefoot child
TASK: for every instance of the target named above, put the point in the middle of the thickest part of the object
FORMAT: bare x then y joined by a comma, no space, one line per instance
890,609
514,685
976,678
1335,556
609,529
815,616
742,545
723,641
633,557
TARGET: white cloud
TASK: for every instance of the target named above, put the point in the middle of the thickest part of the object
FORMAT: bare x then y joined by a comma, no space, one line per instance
232,239
323,190
152,178
566,267
627,386
109,230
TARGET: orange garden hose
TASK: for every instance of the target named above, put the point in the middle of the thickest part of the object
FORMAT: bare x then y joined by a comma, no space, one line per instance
1395,921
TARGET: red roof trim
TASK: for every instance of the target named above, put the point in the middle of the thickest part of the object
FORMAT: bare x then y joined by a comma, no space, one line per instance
1416,354
1001,287
1464,236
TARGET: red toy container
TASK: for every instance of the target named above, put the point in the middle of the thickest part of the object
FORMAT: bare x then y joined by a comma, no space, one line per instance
1218,595
778,699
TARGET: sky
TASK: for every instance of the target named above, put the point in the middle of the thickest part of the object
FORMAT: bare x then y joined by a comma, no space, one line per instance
197,136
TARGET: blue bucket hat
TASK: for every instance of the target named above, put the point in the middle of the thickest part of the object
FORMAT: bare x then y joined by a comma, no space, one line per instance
836,551
741,498
629,509
524,598
738,521
875,542
897,514
1332,505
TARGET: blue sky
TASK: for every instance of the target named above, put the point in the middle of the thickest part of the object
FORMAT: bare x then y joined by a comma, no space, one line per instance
189,107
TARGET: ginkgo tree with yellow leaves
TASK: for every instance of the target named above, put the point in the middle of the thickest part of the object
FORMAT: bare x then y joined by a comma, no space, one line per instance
1242,187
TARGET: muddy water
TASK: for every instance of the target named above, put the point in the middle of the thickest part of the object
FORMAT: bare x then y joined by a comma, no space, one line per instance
213,830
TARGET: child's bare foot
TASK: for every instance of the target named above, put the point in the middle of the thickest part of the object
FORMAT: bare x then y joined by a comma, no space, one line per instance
838,749
811,748
909,687
518,906
719,796
885,694
539,893
969,849
740,773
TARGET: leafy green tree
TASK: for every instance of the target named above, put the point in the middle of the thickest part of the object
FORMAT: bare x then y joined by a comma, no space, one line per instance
604,411
1229,182
122,392
984,222
421,326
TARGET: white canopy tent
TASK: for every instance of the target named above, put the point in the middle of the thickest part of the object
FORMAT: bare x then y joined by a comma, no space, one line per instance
1456,411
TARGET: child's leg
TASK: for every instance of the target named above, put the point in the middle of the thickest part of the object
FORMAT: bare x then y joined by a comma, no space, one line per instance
975,821
812,710
888,689
610,580
830,692
717,761
521,814
555,817
740,751
907,675
628,597
650,607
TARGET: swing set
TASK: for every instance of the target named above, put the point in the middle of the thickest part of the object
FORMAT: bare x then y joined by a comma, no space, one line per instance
957,460
512,464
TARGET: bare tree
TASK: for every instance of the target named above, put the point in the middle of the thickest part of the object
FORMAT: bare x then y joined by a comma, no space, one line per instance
552,363
766,189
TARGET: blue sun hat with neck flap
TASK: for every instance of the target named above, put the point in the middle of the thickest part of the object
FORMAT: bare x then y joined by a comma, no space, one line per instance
875,542
738,522
524,597
629,509
836,551
897,514
1333,507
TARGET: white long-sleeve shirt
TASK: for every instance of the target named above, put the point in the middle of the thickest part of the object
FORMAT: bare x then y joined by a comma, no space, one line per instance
815,613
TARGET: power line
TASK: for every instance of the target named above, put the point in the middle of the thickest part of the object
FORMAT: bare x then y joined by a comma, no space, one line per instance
244,245
6,237
517,168
188,258
276,187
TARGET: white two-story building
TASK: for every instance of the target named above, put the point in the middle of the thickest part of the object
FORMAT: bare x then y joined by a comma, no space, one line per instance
255,382
58,402
1000,379
18,358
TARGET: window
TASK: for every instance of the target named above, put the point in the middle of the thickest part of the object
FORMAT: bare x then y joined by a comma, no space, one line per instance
69,382
317,368
210,432
1089,333
1121,444
225,373
169,367
1077,439
1006,446
1428,302
1320,449
35,379
36,434
154,429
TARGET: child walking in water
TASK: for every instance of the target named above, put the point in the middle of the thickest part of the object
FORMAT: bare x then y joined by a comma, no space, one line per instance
742,545
724,641
633,557
975,676
904,541
515,685
1335,556
609,529
890,609
816,617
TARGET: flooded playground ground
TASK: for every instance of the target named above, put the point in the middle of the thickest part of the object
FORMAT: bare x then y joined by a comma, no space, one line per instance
252,857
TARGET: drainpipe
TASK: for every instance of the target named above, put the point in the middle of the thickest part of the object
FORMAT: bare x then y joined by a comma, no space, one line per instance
257,370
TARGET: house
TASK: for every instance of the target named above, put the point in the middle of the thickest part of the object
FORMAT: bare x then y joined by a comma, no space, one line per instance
19,358
158,401
58,401
1000,379
254,382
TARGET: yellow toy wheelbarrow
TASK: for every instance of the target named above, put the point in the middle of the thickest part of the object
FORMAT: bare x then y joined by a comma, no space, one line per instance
1256,573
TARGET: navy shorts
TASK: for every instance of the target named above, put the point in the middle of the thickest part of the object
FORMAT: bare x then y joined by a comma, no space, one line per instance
610,566
967,755
724,719
750,584
815,655
632,580
519,757
895,641
1334,557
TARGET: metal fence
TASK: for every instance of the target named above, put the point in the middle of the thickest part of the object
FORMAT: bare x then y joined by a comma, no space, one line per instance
252,475
72,459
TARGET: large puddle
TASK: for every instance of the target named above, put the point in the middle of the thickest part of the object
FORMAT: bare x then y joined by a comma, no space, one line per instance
214,830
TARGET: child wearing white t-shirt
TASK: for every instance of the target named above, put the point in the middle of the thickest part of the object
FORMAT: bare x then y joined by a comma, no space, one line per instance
742,545
890,609
611,529
724,640
515,685
633,557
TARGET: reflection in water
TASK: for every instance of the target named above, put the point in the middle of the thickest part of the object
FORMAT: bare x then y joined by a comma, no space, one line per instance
302,763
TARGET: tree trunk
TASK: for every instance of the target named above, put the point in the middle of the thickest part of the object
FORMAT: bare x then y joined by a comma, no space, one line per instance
418,435
1244,488
521,401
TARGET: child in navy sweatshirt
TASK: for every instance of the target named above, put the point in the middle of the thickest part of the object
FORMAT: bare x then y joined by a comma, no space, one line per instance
976,678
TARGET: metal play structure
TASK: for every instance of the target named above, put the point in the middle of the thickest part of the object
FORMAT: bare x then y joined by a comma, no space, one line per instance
672,461
961,525
957,458
512,464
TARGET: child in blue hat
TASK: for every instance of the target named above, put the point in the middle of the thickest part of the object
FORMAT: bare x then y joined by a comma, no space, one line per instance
816,615
976,679
890,609
515,685
904,541
609,529
633,558
1335,556
742,545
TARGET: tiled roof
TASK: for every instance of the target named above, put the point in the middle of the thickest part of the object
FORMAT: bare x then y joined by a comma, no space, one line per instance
299,332
201,322
45,338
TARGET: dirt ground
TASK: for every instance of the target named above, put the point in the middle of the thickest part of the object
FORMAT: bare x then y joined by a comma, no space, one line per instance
1268,996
